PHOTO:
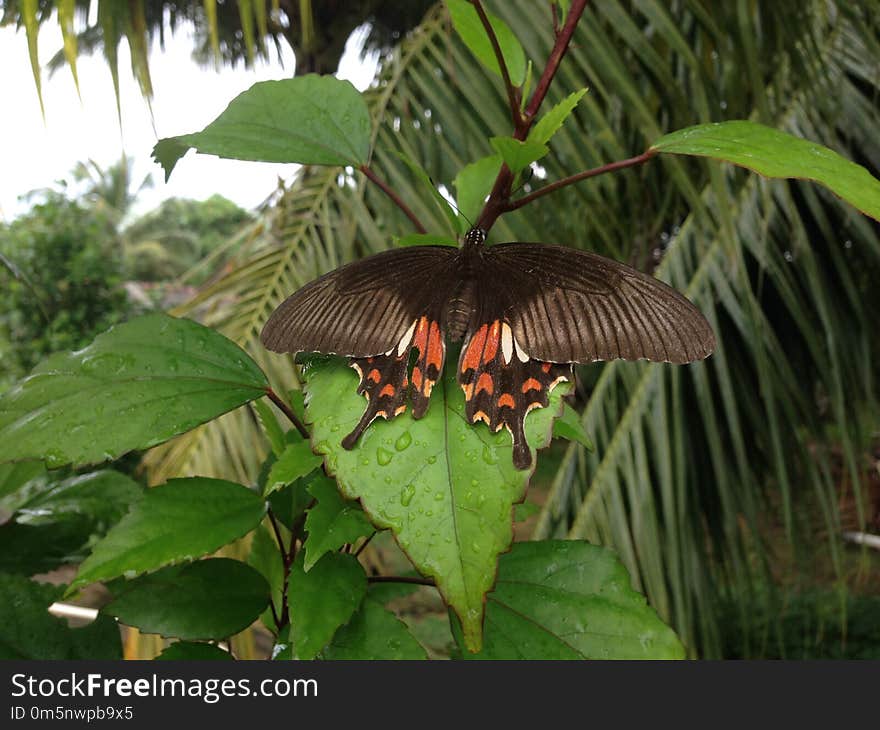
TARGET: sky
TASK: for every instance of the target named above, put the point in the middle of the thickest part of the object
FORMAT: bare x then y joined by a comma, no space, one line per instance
35,153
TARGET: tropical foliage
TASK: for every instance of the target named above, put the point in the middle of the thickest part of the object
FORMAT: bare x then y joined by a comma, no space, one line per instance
700,488
723,488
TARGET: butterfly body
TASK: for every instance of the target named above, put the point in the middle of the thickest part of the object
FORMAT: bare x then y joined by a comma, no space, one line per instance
526,312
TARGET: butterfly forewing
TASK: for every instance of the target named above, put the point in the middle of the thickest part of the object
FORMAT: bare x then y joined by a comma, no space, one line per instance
364,308
574,306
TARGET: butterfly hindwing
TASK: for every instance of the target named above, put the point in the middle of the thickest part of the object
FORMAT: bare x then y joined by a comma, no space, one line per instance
502,384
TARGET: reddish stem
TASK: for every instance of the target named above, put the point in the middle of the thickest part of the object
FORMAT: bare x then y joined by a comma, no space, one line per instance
389,191
287,411
499,198
571,179
513,98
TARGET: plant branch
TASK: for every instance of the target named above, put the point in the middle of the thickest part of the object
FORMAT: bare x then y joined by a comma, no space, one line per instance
571,179
390,192
559,48
499,198
287,411
513,97
417,580
365,543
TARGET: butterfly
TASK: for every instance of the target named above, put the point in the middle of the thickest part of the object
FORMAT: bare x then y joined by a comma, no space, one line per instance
526,313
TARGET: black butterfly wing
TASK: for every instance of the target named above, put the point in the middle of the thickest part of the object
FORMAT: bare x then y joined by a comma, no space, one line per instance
375,311
571,306
364,308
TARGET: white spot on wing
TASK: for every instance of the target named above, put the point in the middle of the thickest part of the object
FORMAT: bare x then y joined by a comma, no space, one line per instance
520,353
406,339
506,342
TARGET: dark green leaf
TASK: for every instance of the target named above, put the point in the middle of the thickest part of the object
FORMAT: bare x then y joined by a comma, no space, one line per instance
444,486
569,426
296,398
474,183
296,461
773,153
265,557
271,427
518,155
551,122
29,549
177,521
322,600
289,503
103,497
29,631
569,600
312,120
208,599
15,476
332,522
136,385
374,633
468,26
193,651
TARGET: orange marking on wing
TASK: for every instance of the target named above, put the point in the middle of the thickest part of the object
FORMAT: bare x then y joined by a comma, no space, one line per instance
506,399
374,375
468,391
400,409
435,346
481,416
417,377
485,383
492,342
420,336
546,367
531,384
474,352
387,390
428,387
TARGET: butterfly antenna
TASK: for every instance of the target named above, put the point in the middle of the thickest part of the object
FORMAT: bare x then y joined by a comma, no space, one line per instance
454,206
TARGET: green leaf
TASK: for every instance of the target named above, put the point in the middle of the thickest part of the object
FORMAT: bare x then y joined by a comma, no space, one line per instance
474,183
524,510
14,476
773,153
569,600
29,631
193,651
312,120
103,497
265,557
289,503
374,633
428,185
180,520
445,487
136,385
332,522
553,120
473,34
323,599
295,462
271,427
424,239
516,154
207,599
32,549
570,427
